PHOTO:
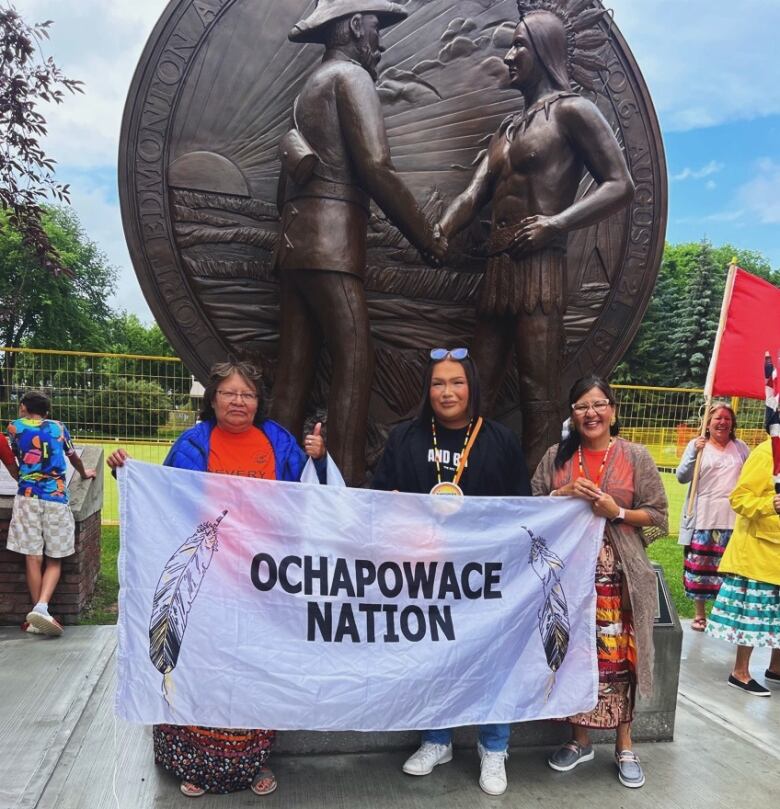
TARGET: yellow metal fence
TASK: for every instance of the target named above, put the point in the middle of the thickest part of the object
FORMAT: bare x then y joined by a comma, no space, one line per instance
143,403
140,403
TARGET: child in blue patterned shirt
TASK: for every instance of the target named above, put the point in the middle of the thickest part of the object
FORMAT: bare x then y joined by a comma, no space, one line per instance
42,522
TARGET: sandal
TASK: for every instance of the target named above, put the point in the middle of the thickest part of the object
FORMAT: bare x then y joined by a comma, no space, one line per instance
264,783
190,790
698,624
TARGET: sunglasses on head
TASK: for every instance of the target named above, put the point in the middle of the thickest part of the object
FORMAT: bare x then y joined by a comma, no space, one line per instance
453,353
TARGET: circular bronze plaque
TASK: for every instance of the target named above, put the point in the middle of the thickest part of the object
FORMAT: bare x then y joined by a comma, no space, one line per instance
198,167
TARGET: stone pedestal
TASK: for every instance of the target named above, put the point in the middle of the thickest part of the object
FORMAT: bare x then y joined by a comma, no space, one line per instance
79,571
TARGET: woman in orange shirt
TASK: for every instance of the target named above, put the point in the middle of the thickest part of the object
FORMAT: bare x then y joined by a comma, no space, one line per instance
233,437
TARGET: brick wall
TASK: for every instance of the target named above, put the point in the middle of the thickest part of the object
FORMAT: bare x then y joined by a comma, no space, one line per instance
77,583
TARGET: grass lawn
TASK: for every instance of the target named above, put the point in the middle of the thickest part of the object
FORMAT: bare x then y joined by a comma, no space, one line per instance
675,493
102,608
148,452
667,553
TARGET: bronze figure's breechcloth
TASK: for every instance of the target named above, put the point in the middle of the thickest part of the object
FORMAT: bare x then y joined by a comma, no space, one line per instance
515,286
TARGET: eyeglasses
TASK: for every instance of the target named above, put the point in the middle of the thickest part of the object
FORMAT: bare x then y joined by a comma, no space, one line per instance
236,395
597,405
454,353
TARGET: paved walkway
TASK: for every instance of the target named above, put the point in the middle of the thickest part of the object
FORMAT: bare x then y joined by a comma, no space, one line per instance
60,746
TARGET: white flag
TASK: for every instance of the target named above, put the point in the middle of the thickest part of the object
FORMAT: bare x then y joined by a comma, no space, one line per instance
248,603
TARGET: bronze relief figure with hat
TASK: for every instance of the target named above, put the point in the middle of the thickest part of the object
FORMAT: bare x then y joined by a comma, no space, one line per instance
335,160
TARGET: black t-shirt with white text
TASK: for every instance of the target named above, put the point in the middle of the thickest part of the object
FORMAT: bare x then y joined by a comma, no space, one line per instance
450,446
496,464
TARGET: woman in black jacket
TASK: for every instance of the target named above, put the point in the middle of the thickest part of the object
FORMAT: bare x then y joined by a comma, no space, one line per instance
450,449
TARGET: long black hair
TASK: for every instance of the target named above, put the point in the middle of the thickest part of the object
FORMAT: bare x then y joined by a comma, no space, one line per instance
570,444
219,372
425,411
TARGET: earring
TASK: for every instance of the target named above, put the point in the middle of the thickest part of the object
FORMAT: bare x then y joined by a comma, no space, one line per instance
612,422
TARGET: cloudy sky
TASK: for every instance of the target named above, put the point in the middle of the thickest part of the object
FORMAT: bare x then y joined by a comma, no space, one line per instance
712,67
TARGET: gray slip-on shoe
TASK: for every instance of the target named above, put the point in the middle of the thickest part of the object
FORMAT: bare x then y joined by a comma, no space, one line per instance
629,769
569,755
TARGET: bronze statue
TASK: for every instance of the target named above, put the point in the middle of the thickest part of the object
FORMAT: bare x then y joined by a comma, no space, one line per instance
335,160
199,169
531,174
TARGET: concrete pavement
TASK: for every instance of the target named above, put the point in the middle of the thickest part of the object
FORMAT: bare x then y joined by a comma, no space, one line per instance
60,746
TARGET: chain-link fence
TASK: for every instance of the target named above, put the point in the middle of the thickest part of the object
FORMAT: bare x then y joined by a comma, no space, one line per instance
663,419
666,419
143,403
102,395
140,403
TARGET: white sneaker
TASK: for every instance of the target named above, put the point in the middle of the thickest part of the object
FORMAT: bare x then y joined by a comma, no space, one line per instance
427,757
492,773
45,623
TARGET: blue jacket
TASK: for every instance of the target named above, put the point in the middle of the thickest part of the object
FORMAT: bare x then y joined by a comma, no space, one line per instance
191,450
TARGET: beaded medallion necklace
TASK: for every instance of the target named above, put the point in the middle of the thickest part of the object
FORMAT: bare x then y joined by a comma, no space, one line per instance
584,471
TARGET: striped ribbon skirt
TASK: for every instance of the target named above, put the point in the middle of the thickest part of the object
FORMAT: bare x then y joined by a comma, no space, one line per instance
746,612
702,557
615,646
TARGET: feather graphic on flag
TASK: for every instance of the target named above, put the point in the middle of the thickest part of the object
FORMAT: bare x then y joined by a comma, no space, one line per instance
553,614
772,420
175,594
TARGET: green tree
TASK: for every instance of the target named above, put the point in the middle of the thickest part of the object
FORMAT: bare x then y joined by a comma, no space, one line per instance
675,310
645,362
45,311
697,321
128,408
126,334
28,79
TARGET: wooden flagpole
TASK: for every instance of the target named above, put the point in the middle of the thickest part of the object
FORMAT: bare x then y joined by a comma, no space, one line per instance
724,311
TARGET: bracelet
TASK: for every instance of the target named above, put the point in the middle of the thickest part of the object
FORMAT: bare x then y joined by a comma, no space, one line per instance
554,493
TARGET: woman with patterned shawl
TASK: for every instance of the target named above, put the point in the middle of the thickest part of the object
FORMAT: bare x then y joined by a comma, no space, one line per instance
620,481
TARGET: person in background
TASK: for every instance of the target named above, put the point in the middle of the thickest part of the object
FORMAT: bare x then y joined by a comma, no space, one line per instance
621,483
233,437
41,522
746,611
705,532
448,448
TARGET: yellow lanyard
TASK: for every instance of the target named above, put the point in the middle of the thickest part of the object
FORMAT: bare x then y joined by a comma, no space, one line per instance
467,445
